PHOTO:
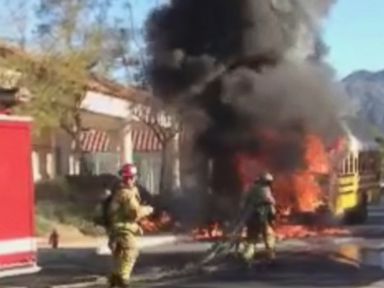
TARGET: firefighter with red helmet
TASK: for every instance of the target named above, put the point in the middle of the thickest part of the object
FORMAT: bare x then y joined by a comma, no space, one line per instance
261,202
124,213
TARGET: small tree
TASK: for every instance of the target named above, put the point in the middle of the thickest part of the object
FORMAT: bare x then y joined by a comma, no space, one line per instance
57,86
165,125
75,38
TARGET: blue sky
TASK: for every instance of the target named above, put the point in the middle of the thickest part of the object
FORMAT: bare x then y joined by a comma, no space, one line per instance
354,32
355,35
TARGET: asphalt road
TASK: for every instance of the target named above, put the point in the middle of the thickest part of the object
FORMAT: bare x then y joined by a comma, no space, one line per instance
306,269
312,263
294,268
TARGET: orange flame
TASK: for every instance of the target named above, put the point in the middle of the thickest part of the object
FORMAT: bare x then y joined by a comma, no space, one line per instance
300,231
158,224
316,156
295,190
283,232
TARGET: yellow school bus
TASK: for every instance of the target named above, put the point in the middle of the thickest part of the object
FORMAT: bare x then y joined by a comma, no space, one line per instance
357,181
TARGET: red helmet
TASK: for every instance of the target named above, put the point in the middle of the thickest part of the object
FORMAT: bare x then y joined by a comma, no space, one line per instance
128,170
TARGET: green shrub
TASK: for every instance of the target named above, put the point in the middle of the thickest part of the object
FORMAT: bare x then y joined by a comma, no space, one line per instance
65,203
43,225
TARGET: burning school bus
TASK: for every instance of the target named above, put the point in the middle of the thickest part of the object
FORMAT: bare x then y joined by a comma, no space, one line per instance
341,179
253,84
358,175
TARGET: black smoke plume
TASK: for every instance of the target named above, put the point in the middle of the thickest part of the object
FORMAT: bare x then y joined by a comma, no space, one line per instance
243,66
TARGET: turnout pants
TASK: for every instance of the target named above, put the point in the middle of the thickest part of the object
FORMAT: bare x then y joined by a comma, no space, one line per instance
259,229
124,254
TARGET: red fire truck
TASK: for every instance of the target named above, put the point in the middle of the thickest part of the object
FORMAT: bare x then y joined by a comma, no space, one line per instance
17,241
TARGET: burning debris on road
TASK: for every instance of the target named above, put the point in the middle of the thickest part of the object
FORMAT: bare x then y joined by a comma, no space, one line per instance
249,78
162,222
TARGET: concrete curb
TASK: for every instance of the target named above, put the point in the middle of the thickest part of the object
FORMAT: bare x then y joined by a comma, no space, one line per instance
88,284
372,255
149,242
20,271
79,285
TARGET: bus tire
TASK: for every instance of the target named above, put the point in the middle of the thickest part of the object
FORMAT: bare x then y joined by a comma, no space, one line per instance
358,214
362,211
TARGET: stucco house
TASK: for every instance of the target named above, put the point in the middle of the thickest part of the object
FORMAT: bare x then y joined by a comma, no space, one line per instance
111,133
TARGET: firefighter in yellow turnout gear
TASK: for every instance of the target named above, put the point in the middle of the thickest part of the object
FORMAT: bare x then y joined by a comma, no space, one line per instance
260,222
124,212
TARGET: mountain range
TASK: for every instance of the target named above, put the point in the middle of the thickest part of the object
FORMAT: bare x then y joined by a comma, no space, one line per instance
365,90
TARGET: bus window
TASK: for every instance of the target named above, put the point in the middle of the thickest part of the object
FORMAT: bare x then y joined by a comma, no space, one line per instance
350,164
346,165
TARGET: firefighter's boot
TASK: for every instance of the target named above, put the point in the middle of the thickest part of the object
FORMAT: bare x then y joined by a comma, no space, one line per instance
271,257
248,254
270,243
125,283
113,281
116,281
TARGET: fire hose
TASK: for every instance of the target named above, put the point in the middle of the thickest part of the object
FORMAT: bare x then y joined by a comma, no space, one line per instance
219,248
232,237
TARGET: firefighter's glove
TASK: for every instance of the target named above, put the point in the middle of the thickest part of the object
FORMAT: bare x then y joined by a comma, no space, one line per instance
145,211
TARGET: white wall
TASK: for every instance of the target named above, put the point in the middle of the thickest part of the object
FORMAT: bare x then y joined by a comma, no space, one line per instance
43,163
106,105
108,113
149,170
126,144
